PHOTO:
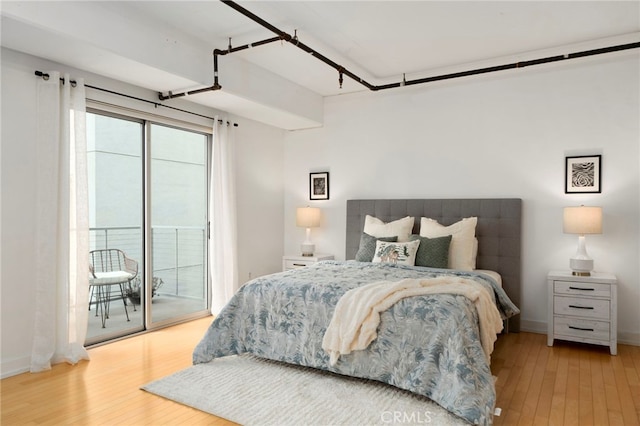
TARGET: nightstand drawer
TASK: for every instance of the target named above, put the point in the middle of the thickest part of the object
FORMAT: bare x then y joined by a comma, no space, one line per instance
585,289
582,307
585,329
292,264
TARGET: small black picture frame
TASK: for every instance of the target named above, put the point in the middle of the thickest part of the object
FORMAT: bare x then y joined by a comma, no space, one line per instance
583,174
319,186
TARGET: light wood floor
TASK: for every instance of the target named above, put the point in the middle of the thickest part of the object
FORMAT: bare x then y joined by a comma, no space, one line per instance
106,390
569,384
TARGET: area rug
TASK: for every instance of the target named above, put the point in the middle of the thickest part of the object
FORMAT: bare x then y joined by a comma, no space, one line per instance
252,391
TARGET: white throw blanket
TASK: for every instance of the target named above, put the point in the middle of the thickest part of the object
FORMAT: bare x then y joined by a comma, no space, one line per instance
357,314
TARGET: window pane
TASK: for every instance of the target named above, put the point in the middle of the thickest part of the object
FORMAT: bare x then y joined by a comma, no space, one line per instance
178,221
115,215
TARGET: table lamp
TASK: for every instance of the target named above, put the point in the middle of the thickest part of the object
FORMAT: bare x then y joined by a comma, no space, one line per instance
308,217
582,221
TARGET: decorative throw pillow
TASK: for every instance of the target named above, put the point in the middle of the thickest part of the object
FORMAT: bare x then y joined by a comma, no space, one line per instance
432,252
368,246
463,235
402,253
400,228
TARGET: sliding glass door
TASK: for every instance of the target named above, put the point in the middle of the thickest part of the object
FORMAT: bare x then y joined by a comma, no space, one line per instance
178,200
115,170
148,199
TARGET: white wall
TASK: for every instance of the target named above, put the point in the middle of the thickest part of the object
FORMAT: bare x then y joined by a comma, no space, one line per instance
260,167
259,188
504,135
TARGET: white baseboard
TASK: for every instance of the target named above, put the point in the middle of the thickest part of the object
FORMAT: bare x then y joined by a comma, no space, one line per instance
533,326
629,338
14,367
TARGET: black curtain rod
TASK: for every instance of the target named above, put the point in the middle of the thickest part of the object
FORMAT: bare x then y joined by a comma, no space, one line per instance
45,76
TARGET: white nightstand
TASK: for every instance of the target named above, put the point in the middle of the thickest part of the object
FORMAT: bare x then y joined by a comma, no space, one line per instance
298,261
583,309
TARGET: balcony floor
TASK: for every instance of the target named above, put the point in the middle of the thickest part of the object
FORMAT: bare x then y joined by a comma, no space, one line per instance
163,307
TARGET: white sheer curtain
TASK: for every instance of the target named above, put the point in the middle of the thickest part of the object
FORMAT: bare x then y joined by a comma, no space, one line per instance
62,262
222,213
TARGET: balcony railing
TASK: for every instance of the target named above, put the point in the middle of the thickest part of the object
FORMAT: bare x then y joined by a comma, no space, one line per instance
178,254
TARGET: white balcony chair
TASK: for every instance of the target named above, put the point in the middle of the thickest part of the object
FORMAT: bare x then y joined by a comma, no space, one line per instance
108,268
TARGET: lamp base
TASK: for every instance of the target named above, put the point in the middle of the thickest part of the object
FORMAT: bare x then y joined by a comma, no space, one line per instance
581,267
307,249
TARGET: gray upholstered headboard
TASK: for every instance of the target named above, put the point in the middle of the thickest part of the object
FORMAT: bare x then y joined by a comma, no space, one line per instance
498,230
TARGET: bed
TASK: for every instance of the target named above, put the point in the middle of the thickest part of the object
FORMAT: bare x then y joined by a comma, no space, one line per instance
429,344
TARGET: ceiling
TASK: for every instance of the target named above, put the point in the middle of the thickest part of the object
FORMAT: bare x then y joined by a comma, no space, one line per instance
380,41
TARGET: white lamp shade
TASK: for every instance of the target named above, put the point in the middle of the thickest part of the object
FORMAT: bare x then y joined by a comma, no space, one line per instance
582,220
308,217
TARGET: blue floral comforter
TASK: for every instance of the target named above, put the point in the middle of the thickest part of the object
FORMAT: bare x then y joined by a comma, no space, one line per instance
428,345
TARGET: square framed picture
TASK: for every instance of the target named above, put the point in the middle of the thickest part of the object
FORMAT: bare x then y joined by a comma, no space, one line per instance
319,186
583,174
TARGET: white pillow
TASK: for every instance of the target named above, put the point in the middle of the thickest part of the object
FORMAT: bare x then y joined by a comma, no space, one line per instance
400,228
401,253
461,249
475,252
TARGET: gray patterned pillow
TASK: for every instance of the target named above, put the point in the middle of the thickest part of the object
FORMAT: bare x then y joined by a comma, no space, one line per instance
368,246
432,252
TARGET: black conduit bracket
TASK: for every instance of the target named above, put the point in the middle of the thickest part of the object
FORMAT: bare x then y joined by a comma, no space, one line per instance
281,35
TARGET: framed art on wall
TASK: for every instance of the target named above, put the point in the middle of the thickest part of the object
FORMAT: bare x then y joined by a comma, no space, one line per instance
583,174
319,186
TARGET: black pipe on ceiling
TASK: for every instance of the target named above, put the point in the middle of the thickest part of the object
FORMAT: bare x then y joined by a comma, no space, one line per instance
216,53
283,36
297,43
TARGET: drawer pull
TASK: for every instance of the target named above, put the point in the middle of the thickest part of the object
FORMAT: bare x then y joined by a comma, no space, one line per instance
581,328
581,307
582,289
299,264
